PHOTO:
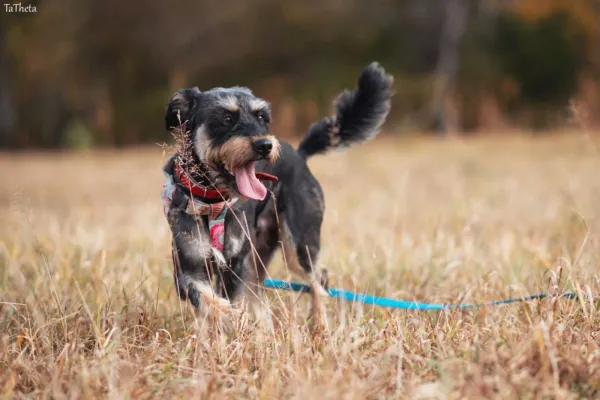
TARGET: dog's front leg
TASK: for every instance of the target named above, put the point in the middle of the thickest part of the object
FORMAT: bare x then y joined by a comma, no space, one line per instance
193,269
231,278
194,280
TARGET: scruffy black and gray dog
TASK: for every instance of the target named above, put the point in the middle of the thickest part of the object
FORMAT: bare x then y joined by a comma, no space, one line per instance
225,228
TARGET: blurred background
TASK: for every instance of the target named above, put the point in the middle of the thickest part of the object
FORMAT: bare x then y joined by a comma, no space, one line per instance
98,73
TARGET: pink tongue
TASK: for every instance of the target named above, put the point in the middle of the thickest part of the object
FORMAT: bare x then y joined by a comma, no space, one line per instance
248,184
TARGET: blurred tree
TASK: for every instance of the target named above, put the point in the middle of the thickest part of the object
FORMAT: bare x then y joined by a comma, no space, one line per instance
455,23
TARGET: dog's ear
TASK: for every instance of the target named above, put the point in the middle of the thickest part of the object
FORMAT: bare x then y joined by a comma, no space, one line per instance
180,107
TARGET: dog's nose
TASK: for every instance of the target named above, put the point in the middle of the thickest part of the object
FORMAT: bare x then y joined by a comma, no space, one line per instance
263,147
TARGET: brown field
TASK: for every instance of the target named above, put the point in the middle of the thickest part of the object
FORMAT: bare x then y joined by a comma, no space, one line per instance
88,308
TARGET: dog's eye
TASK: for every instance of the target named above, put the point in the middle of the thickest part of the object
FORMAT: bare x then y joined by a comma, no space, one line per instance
227,120
262,117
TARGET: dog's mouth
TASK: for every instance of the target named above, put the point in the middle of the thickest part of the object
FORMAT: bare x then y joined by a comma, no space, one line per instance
248,180
235,161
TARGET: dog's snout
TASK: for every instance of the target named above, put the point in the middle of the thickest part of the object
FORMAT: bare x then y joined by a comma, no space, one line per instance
263,147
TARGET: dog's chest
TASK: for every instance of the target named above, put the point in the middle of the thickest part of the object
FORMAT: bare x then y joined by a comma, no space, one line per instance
234,236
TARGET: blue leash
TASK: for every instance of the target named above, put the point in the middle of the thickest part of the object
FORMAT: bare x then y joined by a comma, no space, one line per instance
401,304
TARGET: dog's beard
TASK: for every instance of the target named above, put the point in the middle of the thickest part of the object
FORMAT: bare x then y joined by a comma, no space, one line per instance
235,161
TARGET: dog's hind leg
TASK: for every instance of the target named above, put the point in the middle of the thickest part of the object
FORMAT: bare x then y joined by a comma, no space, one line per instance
301,250
266,242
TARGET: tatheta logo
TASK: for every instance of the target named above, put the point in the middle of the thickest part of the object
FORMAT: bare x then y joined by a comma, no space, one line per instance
19,8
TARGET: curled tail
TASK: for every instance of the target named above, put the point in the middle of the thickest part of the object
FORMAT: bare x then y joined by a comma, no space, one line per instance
359,114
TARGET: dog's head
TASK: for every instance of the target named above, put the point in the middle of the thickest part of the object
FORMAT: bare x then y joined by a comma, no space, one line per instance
228,129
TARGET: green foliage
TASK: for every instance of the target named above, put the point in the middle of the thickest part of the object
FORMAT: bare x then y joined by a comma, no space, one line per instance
78,136
543,57
530,67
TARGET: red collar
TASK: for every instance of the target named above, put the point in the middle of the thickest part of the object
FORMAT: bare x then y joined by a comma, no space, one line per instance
195,188
199,190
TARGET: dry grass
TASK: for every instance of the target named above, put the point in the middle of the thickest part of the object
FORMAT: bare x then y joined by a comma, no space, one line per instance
89,311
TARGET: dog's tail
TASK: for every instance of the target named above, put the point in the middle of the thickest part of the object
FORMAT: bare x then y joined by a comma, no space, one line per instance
359,114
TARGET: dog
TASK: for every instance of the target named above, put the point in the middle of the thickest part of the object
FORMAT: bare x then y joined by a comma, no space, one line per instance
234,193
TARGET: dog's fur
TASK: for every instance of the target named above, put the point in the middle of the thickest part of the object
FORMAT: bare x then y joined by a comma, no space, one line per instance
220,126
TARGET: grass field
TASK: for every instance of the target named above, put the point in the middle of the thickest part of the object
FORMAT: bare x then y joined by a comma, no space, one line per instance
88,308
